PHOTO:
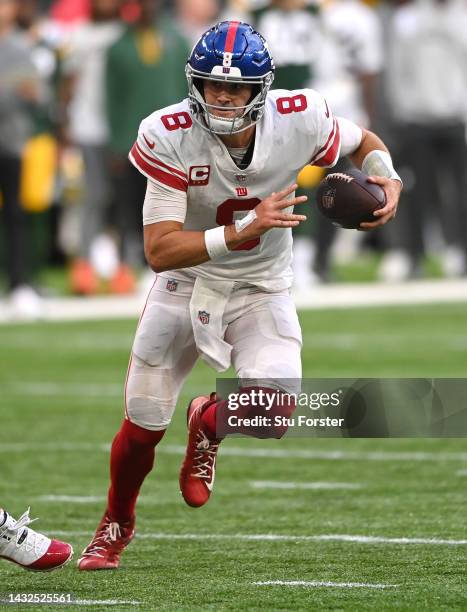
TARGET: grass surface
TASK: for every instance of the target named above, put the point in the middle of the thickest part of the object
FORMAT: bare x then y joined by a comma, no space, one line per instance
61,404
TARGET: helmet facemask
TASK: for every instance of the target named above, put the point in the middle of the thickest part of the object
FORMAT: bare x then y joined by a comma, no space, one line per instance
204,113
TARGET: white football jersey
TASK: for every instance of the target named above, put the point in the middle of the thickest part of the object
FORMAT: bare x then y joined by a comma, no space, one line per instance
297,129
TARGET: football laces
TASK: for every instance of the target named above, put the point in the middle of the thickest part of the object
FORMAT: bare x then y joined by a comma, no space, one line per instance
340,176
205,457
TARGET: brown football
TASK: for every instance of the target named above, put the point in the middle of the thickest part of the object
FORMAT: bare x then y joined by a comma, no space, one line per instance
348,199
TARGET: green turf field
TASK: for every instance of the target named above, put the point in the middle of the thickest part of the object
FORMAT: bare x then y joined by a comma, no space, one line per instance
60,404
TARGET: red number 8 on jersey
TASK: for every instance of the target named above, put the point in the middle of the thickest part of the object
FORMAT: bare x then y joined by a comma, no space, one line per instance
293,104
225,216
177,120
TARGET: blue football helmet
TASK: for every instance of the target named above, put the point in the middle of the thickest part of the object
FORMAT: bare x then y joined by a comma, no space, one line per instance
234,52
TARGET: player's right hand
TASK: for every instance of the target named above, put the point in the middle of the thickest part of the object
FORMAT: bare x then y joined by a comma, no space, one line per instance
270,211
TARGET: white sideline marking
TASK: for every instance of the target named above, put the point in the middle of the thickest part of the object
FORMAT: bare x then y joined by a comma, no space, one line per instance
236,451
318,583
337,455
276,537
345,295
317,486
151,500
73,499
104,602
73,447
82,341
461,473
65,389
341,295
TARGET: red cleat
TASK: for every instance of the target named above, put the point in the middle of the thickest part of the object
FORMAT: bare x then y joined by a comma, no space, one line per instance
199,466
103,552
28,548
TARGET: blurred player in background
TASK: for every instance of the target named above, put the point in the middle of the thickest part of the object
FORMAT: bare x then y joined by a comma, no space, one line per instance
426,89
20,94
40,192
218,213
87,127
293,31
195,16
144,69
28,548
350,59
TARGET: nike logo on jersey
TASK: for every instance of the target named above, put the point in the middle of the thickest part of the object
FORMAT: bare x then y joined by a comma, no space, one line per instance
327,110
150,144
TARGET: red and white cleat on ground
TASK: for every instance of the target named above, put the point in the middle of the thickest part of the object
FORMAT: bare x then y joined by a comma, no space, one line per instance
199,466
103,552
28,548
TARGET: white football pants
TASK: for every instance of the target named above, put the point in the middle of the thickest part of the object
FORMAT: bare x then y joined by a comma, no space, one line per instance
262,328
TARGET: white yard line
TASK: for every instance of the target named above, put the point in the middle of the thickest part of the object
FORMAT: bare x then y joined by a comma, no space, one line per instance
276,537
337,455
72,499
93,602
461,473
150,500
64,389
104,602
156,500
315,486
318,583
247,452
32,339
52,447
343,295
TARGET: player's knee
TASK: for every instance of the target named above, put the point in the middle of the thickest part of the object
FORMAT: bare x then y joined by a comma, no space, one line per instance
150,397
149,412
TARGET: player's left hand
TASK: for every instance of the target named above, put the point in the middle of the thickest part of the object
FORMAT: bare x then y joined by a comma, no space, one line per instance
392,188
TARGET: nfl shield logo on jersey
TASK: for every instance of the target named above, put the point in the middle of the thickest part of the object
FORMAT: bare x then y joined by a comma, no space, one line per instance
328,198
171,285
203,316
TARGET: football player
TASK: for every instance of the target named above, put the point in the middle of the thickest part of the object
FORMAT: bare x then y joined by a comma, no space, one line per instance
218,213
28,548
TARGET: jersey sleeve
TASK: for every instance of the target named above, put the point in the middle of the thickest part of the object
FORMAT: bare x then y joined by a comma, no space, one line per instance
163,203
328,139
157,159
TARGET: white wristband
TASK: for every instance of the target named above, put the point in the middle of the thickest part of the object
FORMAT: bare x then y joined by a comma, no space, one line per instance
379,163
214,239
